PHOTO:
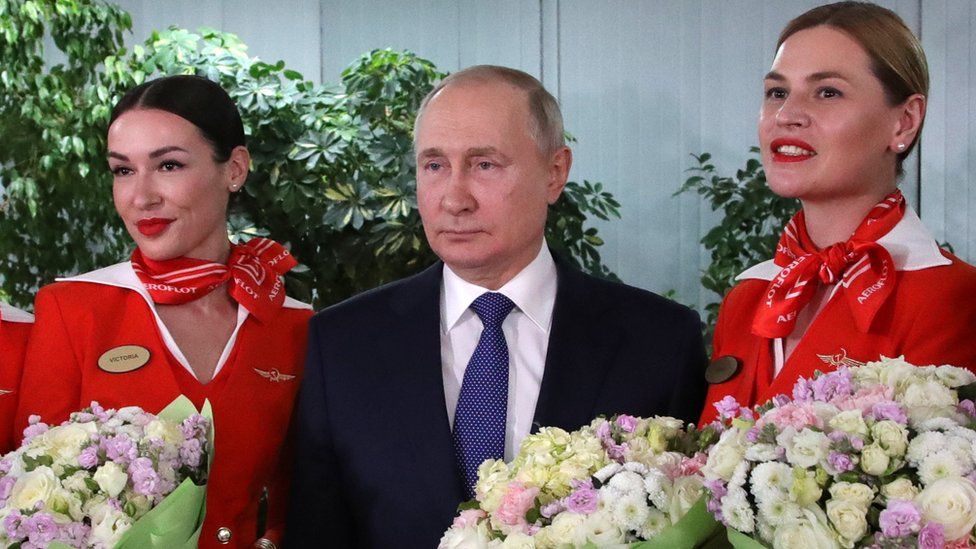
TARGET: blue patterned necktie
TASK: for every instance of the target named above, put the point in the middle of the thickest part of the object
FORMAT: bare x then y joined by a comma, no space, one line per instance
479,420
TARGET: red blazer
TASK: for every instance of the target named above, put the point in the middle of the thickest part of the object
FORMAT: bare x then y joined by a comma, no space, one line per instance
79,319
15,327
930,319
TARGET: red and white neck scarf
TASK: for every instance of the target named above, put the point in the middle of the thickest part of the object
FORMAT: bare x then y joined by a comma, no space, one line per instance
863,268
253,269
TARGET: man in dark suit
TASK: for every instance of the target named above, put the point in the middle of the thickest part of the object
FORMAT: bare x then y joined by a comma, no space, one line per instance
410,386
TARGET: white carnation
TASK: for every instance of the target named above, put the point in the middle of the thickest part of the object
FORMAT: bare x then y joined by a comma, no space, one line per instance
941,464
923,445
764,452
771,480
806,449
626,483
630,512
737,512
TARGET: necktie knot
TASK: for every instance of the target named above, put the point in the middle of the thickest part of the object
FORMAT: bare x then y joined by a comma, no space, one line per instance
492,308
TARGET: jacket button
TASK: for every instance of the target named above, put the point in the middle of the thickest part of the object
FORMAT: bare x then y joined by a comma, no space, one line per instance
223,534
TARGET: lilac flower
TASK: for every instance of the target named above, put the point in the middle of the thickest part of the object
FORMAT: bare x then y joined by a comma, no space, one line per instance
889,410
35,427
752,435
75,534
120,448
88,458
746,413
967,407
802,391
728,407
584,498
145,480
831,385
627,423
5,465
857,443
840,462
780,400
41,528
901,518
13,524
552,509
931,536
191,452
6,486
195,426
99,412
837,436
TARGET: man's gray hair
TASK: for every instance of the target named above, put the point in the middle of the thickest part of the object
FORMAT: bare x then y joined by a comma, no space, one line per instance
546,123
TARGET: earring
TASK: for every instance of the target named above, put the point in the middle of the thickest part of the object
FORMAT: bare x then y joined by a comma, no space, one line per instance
234,188
901,146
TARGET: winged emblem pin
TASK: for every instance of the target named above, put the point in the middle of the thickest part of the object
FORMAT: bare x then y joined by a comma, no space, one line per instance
274,375
840,359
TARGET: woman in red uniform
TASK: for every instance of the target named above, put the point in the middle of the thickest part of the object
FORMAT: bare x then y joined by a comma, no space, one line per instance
856,275
15,326
190,314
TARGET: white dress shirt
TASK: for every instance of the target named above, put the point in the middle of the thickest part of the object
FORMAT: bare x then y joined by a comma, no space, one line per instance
526,330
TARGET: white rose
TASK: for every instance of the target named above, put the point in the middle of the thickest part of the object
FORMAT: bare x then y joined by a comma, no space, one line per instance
110,478
891,436
518,540
952,503
807,448
685,494
849,519
927,399
463,538
897,374
168,431
724,456
64,442
107,532
874,460
900,488
850,421
599,530
809,532
763,452
561,531
34,486
853,492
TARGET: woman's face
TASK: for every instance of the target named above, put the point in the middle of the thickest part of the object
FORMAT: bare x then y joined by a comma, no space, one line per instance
168,189
825,128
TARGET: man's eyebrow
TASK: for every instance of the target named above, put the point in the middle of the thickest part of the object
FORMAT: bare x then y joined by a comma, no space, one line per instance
430,151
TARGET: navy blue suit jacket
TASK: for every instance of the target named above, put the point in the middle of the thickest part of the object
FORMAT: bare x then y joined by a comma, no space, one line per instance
375,464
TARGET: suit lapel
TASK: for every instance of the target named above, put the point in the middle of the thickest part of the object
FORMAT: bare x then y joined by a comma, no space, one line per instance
581,348
421,410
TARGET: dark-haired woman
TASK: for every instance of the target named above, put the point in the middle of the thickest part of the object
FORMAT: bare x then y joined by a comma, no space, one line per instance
15,326
189,314
856,275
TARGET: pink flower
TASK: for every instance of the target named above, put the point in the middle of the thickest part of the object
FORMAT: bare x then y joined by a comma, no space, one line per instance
865,399
627,423
795,415
468,517
515,503
693,465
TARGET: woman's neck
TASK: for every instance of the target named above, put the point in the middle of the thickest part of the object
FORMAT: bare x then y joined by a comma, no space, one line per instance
834,220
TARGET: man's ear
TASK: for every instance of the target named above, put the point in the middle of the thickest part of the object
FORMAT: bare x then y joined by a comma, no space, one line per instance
560,162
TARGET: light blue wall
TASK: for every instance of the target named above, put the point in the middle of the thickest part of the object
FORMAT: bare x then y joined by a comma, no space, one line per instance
642,83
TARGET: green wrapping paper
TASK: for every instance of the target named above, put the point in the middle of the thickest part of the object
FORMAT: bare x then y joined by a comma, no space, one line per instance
698,528
177,521
743,541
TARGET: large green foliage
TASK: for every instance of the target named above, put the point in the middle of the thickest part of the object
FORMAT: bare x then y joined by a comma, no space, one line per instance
332,171
750,227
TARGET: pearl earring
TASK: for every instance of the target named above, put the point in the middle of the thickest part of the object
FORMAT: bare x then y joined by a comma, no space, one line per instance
901,146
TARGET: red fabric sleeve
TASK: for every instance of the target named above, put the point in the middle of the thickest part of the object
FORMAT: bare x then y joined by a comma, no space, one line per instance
51,383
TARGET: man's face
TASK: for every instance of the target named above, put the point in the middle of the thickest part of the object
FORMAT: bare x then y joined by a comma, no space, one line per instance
483,185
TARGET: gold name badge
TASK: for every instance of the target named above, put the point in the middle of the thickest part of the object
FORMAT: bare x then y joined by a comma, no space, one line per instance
126,358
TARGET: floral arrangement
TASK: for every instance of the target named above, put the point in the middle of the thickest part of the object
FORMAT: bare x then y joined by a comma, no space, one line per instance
618,480
95,480
880,455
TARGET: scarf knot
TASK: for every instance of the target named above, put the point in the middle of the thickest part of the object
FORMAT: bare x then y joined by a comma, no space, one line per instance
253,271
863,267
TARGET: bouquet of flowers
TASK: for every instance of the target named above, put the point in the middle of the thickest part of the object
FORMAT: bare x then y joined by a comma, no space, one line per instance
108,478
880,455
615,481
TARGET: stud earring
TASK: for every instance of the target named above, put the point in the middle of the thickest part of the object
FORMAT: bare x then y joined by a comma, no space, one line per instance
901,146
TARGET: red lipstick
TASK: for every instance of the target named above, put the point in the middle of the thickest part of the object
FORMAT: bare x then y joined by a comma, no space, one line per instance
153,225
806,154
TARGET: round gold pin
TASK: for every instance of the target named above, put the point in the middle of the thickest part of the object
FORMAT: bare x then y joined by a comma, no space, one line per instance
122,359
722,369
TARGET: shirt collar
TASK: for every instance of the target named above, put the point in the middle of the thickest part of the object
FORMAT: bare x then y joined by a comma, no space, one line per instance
911,245
9,313
121,275
533,290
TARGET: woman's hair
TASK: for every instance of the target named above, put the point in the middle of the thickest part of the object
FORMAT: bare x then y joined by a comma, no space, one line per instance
195,99
897,58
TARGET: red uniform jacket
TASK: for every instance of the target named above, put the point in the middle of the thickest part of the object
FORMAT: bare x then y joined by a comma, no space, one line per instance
930,319
252,392
15,326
